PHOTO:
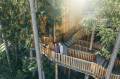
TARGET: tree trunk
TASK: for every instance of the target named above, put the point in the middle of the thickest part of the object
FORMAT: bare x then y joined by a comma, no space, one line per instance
113,57
91,45
92,38
36,39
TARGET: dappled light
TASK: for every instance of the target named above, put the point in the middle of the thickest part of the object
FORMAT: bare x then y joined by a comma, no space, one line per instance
60,39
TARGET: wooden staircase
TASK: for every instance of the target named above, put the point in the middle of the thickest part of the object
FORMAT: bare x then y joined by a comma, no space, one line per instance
76,36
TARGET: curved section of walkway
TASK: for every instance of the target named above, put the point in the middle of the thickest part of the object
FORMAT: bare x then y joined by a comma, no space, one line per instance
82,55
90,68
85,55
87,44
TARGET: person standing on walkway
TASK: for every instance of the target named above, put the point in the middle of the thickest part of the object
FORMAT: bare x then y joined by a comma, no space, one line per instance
61,48
56,48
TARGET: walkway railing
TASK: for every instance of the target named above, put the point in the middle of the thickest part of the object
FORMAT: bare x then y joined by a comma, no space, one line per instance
82,48
80,65
81,55
85,55
87,44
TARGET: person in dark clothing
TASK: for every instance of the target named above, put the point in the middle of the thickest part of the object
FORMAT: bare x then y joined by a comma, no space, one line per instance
56,48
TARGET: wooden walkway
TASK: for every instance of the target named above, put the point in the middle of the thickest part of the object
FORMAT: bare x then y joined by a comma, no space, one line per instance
85,55
80,65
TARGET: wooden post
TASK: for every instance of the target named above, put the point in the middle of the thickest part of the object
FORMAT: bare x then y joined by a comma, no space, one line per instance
56,71
69,72
36,39
86,76
92,38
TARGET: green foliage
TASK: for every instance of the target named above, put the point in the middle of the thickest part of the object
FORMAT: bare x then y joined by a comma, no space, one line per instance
110,26
16,27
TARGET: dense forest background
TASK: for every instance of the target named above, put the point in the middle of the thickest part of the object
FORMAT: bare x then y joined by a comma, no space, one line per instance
16,33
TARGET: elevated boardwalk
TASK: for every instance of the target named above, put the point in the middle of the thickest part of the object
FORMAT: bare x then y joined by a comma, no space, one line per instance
80,65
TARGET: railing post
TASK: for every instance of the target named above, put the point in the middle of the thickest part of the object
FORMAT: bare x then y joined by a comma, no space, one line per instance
69,74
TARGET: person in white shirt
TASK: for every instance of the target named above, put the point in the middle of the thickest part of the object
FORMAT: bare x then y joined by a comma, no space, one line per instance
61,48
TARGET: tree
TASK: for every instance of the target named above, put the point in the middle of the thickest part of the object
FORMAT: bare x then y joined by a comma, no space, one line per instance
36,39
113,57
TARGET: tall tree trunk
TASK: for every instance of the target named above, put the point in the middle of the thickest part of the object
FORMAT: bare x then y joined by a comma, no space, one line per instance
92,38
113,57
36,39
91,45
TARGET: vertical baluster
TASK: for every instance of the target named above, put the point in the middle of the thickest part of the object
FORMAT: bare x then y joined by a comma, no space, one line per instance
52,55
64,59
92,68
73,53
83,56
92,58
56,57
69,61
76,54
86,66
77,63
97,69
73,62
101,71
59,56
82,65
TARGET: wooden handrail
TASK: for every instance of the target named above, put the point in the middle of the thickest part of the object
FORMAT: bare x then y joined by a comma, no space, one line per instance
85,55
82,48
80,65
81,55
87,44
